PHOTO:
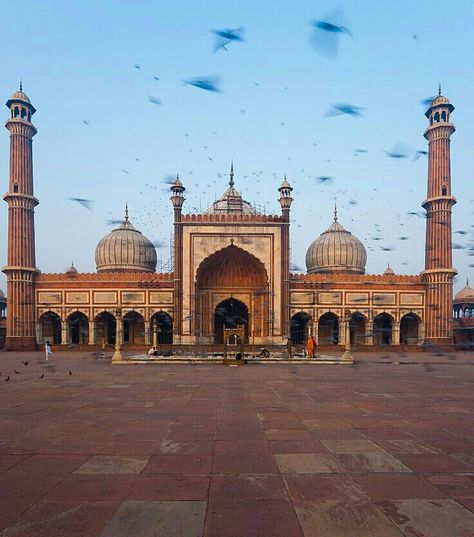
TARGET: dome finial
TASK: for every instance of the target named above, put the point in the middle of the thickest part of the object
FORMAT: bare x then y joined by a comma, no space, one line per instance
126,211
439,88
335,212
231,181
467,281
21,84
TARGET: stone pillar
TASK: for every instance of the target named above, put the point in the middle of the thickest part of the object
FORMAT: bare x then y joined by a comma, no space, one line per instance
147,337
64,333
421,333
39,333
369,332
91,332
396,333
155,333
342,333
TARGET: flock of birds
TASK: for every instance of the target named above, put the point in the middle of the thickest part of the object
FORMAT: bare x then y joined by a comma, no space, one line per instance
326,34
48,367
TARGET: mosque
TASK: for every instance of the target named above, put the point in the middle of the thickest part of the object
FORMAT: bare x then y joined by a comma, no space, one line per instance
231,267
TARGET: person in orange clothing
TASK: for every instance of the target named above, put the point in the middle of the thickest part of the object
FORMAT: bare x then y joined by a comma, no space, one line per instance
310,347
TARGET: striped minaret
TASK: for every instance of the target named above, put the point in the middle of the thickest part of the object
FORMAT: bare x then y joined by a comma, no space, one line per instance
439,272
21,268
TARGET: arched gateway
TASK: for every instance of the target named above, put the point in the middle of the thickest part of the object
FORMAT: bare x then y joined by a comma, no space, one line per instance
231,290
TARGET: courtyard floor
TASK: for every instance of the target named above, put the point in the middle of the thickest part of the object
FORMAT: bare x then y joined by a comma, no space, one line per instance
384,448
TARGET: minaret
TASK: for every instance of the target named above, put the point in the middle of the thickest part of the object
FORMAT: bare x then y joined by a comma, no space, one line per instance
177,199
439,272
21,268
285,201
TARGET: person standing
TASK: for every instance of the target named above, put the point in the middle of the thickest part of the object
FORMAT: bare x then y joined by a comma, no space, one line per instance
310,347
47,350
314,347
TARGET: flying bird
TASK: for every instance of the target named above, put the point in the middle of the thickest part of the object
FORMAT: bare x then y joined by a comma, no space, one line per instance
326,33
397,152
339,109
226,36
207,84
154,100
418,154
325,179
428,100
87,204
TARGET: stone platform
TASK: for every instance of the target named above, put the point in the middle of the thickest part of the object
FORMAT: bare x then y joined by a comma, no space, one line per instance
249,360
384,448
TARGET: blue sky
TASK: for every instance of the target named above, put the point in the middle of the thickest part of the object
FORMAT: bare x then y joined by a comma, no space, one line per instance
77,63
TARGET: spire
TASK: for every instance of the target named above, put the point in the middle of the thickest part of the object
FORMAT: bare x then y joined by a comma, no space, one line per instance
126,211
231,181
439,88
21,84
335,212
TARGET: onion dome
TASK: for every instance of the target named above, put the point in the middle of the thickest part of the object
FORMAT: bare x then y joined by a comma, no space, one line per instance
388,271
336,250
231,201
125,249
466,293
71,271
20,96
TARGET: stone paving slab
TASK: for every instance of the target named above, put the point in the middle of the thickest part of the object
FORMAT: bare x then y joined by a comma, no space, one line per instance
109,464
155,519
292,450
430,518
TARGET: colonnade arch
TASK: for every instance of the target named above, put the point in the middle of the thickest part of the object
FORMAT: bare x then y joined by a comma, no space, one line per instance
50,328
164,326
299,324
328,329
78,328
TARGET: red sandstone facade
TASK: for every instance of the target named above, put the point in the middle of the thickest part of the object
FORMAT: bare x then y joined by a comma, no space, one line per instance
231,265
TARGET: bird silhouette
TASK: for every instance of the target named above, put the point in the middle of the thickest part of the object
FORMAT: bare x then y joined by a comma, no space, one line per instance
339,109
326,33
210,83
87,204
226,36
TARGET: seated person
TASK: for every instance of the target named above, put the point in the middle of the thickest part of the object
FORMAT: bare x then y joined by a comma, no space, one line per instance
152,352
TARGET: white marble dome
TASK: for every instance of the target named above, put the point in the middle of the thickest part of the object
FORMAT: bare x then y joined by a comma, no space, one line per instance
336,250
125,249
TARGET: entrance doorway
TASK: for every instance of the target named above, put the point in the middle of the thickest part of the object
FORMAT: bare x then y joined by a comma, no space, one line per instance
229,314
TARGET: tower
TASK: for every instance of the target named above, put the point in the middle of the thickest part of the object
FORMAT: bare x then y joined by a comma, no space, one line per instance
439,273
21,268
285,202
177,199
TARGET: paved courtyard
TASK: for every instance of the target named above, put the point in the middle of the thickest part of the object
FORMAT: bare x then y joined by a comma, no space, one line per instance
383,449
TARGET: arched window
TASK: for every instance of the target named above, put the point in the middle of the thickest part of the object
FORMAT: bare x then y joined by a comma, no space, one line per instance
15,188
436,117
23,113
29,116
443,116
17,111
444,190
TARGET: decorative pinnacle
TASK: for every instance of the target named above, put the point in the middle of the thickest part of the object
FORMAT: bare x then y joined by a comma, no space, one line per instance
335,212
126,211
439,88
21,84
467,281
231,181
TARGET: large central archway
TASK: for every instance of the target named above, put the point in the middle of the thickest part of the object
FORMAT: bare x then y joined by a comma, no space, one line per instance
231,288
230,313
